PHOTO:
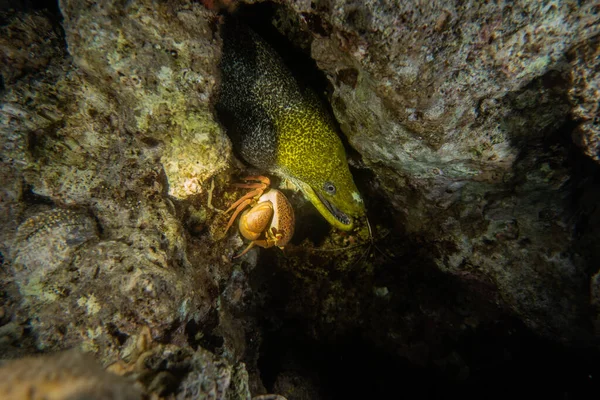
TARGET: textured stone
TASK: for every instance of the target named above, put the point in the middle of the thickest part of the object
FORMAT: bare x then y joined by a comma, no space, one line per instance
63,376
585,96
459,110
92,296
94,249
28,43
45,243
160,61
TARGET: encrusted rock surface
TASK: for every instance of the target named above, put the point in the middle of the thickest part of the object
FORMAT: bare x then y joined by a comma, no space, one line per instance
584,94
95,294
68,375
97,146
160,61
75,375
462,112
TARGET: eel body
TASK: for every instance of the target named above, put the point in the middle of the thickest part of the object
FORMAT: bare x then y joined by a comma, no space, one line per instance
279,126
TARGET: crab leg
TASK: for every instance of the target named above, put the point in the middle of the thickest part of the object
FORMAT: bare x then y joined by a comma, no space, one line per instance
245,203
247,249
259,189
247,198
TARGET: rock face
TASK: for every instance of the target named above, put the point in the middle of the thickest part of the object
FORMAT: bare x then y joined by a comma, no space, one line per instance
585,80
160,61
74,375
463,112
476,126
98,144
69,375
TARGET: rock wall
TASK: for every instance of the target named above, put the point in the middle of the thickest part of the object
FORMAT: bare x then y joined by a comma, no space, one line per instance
101,135
465,114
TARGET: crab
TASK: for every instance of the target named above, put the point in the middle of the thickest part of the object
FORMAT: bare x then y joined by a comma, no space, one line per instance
270,219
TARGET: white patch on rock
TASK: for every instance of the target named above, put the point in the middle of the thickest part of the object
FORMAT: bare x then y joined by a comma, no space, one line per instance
90,303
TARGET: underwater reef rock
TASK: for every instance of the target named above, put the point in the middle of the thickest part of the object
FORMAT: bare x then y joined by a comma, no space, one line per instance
73,375
63,376
79,291
440,83
93,247
46,242
159,60
461,110
28,43
585,95
170,370
212,378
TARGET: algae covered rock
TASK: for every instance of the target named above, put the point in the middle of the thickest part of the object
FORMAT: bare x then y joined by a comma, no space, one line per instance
462,111
47,242
94,246
434,81
585,95
72,375
63,376
94,294
159,62
28,43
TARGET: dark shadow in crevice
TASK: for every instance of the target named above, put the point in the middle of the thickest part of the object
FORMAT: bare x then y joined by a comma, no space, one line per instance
260,18
31,198
363,363
10,7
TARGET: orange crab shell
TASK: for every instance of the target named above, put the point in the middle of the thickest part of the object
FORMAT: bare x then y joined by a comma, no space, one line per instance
272,216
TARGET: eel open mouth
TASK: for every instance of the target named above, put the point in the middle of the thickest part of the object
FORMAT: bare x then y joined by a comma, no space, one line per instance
330,212
340,216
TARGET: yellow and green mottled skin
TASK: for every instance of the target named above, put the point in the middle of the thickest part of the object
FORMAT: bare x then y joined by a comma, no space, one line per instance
283,128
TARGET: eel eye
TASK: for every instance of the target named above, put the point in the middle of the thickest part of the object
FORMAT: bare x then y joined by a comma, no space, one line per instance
329,188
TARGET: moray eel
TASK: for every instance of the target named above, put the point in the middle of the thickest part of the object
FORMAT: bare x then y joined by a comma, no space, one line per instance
277,125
